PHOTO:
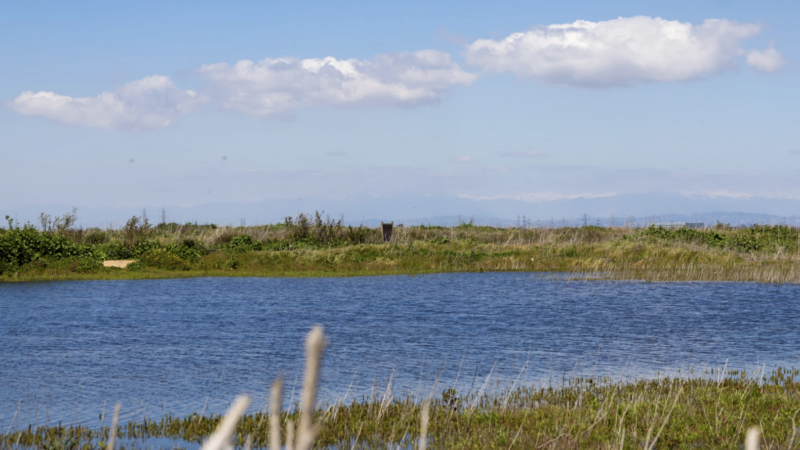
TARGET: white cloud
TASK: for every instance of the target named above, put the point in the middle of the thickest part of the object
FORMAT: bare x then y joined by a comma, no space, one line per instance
525,154
615,52
463,159
717,193
152,102
275,85
769,60
537,197
782,194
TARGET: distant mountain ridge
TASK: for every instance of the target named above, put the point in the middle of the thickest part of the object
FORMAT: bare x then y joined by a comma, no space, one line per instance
635,209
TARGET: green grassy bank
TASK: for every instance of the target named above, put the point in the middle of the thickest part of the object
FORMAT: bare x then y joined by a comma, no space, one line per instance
708,411
309,246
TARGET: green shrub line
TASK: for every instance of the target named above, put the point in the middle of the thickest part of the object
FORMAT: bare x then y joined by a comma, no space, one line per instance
313,244
752,239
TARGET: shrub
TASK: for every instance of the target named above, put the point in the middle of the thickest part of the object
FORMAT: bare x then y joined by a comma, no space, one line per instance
96,237
299,229
135,229
359,235
243,243
751,239
20,246
189,249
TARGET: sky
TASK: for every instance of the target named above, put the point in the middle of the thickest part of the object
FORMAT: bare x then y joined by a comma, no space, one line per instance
184,104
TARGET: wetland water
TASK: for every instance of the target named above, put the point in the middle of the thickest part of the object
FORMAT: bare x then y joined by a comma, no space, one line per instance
183,345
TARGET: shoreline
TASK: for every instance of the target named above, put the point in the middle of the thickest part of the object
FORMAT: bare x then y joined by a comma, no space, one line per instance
644,276
759,254
710,410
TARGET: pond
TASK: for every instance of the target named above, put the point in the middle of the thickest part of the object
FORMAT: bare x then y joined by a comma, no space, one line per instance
189,345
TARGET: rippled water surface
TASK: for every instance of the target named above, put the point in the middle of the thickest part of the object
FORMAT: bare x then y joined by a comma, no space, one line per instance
184,345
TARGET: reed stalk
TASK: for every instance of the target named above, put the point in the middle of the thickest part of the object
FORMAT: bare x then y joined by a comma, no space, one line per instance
276,399
112,435
308,430
221,439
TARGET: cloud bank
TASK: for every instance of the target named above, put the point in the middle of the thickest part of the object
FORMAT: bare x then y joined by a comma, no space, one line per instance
620,52
276,85
152,102
270,86
616,52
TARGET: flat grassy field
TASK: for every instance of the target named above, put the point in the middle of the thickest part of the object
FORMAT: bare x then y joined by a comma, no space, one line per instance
311,247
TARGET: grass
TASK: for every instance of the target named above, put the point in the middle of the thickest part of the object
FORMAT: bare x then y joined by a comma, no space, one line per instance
714,409
686,412
304,247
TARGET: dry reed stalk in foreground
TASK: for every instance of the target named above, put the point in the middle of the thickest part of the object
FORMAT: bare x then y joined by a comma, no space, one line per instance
221,439
290,434
308,430
112,436
423,425
276,399
752,441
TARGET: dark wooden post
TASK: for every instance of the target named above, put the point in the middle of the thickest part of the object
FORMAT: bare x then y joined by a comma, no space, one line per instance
386,230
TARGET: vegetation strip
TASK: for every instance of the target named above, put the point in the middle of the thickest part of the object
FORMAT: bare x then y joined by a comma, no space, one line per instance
708,411
315,246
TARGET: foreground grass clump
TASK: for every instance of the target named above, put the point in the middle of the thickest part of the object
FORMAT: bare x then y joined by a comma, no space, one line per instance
594,413
315,246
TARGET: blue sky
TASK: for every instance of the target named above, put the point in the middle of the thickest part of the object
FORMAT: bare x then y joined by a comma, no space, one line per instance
479,117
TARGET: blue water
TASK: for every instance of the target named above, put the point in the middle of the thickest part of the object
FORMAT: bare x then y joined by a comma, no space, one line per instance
182,346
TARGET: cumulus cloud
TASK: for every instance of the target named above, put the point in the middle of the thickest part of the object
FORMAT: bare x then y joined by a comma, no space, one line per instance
616,52
276,85
152,102
270,86
769,60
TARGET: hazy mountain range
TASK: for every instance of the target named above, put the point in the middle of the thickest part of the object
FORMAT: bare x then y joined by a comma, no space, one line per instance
632,208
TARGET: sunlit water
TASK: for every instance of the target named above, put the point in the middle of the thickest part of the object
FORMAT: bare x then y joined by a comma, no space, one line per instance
190,345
